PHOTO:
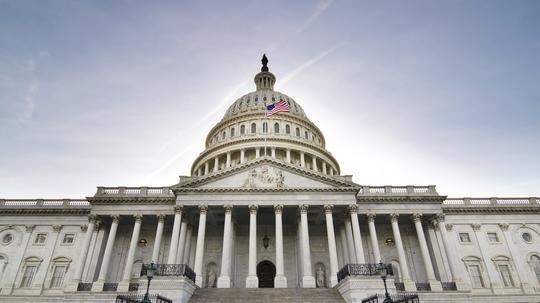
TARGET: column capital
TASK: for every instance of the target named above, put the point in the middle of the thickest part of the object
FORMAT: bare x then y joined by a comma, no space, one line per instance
56,228
253,208
178,209
29,228
440,217
328,208
394,217
203,208
476,226
92,218
353,208
504,226
278,208
161,217
434,223
303,208
449,226
228,208
115,218
138,218
99,224
417,217
84,227
371,217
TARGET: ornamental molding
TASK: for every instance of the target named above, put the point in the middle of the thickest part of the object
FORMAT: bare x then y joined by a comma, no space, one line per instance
228,208
253,208
138,218
504,226
84,227
471,209
115,219
353,209
394,217
178,209
476,227
303,208
56,228
29,228
203,208
449,226
371,217
161,217
417,217
132,200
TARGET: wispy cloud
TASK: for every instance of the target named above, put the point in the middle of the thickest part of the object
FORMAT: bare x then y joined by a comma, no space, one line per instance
321,6
29,97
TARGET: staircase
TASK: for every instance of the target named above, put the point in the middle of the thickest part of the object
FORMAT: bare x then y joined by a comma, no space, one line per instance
266,295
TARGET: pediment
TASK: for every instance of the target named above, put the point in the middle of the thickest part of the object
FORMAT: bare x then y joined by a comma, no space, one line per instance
266,174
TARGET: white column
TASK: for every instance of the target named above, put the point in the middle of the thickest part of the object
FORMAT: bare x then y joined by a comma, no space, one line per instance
242,155
526,285
187,247
273,152
199,251
405,275
324,167
224,280
257,153
288,151
331,171
181,242
435,285
308,281
358,247
332,251
175,232
252,281
450,255
344,247
83,253
128,268
216,163
98,285
350,240
302,160
206,168
157,241
373,237
228,161
314,162
280,281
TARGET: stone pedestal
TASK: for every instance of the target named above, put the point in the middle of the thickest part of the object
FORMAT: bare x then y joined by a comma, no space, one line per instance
355,289
97,286
224,282
280,282
308,282
252,282
435,285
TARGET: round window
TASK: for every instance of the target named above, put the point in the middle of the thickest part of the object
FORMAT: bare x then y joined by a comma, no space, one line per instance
526,237
7,238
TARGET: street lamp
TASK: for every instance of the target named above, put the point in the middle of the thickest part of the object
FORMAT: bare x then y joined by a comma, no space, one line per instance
383,271
149,275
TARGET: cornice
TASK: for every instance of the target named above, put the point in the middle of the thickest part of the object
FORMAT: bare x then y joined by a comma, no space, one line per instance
264,190
489,210
398,198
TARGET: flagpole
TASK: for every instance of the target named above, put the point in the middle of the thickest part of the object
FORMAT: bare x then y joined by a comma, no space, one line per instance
265,134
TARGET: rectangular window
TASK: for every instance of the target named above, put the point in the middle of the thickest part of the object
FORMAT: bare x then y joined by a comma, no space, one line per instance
58,276
464,238
68,239
492,237
476,276
40,239
506,276
28,275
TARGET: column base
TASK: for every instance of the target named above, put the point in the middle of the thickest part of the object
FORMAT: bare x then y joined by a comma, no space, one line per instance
527,288
123,286
224,282
252,282
463,286
97,286
198,280
409,285
333,280
435,285
280,282
72,286
308,282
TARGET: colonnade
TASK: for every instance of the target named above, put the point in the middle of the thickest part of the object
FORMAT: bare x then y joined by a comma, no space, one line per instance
352,251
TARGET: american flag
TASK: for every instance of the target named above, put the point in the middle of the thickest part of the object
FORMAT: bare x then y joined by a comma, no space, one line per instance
281,106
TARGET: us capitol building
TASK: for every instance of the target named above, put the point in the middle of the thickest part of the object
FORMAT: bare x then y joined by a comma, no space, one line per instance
266,206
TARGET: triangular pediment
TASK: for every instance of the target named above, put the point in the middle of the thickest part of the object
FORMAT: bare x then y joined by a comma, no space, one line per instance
266,174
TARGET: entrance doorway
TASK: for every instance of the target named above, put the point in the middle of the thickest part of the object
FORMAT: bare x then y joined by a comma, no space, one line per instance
266,272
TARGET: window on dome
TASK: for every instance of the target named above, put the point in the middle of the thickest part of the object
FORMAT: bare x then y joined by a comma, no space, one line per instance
288,129
297,132
253,128
232,132
306,135
223,136
265,127
276,128
312,137
242,129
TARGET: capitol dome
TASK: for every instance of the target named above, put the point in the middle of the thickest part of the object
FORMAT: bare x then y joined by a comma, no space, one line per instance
245,134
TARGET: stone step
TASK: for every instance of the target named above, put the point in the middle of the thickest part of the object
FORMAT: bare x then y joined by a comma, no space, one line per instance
266,295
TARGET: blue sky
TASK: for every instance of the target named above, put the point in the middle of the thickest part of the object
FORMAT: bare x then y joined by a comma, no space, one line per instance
406,92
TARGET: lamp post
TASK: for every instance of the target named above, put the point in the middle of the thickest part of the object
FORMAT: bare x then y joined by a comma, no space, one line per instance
383,271
149,275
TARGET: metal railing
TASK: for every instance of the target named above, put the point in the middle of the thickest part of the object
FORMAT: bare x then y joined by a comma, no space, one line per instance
137,298
368,269
396,298
110,286
400,286
180,270
423,286
84,286
449,285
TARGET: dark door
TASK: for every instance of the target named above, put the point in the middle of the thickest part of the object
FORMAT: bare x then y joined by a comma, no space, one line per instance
266,272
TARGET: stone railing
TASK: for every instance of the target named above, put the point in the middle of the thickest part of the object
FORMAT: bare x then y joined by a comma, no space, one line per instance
44,203
133,191
490,202
179,270
409,190
368,269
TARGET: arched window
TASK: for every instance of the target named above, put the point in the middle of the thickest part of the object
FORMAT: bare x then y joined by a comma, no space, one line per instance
242,129
232,132
535,264
265,127
223,136
253,128
297,132
288,129
306,135
312,137
276,128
